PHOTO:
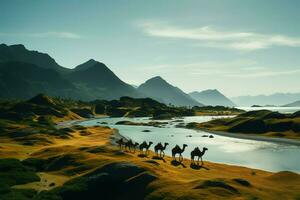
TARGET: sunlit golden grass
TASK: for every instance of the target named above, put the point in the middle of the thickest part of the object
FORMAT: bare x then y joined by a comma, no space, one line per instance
89,149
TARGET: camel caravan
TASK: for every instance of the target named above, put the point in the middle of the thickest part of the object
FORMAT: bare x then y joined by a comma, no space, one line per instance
159,149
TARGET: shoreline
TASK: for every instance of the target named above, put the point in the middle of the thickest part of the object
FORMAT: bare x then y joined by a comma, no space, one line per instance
253,137
117,135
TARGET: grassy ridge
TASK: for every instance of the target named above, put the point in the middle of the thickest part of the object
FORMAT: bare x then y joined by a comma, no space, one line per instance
257,122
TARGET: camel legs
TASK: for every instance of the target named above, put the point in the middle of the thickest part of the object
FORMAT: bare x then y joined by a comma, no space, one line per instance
162,154
180,158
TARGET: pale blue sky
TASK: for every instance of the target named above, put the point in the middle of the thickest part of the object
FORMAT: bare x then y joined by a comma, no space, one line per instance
239,47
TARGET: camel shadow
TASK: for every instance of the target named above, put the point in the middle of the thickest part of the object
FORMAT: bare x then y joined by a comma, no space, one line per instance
197,166
158,158
142,155
177,163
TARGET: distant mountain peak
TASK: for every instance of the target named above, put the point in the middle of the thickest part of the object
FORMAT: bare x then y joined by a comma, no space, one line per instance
18,52
19,46
156,78
160,90
212,97
91,61
157,81
89,64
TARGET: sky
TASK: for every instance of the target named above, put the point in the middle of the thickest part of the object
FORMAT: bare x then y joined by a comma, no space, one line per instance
247,47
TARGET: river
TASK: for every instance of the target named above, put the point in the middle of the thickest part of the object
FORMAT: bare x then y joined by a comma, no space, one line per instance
265,155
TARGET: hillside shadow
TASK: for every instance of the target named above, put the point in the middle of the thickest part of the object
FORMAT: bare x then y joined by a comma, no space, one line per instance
142,155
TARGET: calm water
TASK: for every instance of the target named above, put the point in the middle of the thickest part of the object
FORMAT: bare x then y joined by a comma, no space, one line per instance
278,109
255,154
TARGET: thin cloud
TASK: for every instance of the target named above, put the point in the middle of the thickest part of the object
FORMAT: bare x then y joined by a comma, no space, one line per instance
50,34
264,74
66,35
249,69
212,37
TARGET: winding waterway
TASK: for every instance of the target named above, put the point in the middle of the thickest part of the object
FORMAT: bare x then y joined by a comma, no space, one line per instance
270,156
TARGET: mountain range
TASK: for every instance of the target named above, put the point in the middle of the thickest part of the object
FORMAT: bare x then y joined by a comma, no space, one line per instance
277,99
212,97
294,104
25,73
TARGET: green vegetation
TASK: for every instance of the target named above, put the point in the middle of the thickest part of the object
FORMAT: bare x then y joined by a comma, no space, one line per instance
217,110
111,181
13,172
144,107
32,121
151,123
18,194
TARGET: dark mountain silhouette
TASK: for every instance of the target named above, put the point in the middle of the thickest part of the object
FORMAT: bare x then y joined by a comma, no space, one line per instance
276,99
160,90
86,65
25,80
294,104
26,73
212,98
18,52
97,80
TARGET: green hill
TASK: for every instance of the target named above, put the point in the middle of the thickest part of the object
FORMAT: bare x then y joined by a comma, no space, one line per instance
258,122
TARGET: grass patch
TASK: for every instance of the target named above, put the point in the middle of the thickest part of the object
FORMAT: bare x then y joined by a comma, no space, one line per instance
13,172
19,194
217,184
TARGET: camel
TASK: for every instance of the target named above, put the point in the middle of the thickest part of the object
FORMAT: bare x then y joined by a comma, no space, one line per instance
146,146
120,142
178,150
199,153
128,145
161,148
135,145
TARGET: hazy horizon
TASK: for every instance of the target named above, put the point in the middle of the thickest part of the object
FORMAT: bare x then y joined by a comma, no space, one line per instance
239,48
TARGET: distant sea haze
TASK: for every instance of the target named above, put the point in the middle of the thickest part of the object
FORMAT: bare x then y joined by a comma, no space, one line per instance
278,99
